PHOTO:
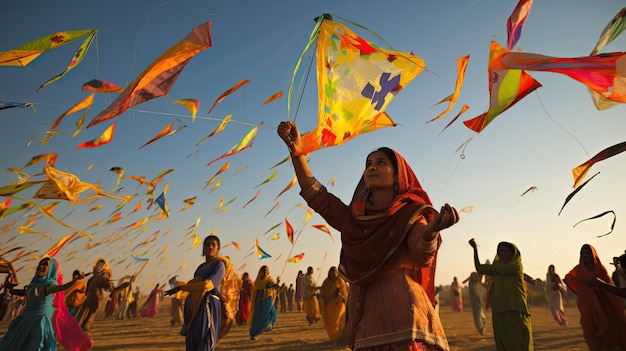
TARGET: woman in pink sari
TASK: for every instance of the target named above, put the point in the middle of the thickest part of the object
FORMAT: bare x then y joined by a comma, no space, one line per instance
150,307
456,296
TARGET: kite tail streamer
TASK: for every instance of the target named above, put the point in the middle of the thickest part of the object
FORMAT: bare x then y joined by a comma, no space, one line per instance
312,37
47,214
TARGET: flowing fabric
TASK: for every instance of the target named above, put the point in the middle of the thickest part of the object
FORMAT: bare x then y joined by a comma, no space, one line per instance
334,293
601,313
556,290
76,295
68,332
151,306
263,312
456,296
388,264
203,310
245,294
476,293
512,328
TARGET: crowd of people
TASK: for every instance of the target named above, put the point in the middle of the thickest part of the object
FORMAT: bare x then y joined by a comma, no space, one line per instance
390,234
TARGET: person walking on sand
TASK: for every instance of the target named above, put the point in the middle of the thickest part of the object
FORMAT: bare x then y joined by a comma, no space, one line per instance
263,312
456,296
99,282
309,293
298,296
476,295
390,236
245,294
512,327
334,294
556,291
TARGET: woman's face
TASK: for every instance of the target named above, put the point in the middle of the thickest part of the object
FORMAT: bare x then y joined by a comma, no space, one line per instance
379,172
586,255
211,248
43,267
505,254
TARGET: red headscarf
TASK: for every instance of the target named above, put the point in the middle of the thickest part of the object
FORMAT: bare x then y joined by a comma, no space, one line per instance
379,235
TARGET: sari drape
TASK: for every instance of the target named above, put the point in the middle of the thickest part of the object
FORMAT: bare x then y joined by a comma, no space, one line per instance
202,309
245,294
263,312
556,290
334,293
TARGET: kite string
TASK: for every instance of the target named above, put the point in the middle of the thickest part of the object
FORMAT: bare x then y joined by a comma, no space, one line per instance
303,88
558,125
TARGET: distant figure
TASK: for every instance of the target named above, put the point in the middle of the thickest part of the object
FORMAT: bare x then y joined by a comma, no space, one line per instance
620,264
334,296
125,296
290,295
476,294
245,294
438,290
512,327
311,304
99,282
283,297
151,306
263,312
456,296
178,302
556,291
601,313
299,278
76,294
132,305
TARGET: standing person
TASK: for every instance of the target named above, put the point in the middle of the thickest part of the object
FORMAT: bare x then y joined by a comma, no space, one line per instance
299,278
283,297
96,286
309,293
334,295
45,317
456,296
556,290
125,296
76,294
245,293
601,313
512,327
620,264
151,306
390,239
262,310
290,295
133,302
476,295
178,301
203,309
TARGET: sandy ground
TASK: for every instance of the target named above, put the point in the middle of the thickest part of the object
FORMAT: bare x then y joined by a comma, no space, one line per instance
293,333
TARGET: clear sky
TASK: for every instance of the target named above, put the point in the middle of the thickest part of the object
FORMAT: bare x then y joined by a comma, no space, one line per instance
535,143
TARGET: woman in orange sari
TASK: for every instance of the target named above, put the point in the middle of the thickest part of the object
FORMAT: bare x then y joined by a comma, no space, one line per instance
601,313
334,293
390,239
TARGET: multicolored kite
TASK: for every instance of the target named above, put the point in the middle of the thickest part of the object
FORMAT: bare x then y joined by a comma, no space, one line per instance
356,82
159,77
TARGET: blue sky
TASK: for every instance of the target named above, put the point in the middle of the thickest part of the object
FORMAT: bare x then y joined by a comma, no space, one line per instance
535,143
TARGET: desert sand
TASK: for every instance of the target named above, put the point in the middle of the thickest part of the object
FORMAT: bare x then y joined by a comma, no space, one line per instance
293,333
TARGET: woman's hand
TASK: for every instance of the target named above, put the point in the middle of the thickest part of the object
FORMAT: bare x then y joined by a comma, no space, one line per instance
446,218
172,291
288,132
472,243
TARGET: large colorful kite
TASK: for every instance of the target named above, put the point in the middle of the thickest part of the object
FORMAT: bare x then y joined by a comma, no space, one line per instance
356,82
159,77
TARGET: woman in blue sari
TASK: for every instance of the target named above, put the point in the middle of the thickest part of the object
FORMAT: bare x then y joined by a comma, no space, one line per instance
202,311
33,329
262,310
